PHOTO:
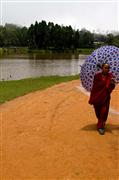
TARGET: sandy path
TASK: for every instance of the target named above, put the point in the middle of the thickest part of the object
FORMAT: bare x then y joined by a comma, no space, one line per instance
51,135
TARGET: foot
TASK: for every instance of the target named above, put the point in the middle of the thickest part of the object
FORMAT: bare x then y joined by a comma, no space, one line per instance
101,131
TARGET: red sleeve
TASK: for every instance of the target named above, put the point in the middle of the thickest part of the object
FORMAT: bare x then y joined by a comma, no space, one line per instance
109,85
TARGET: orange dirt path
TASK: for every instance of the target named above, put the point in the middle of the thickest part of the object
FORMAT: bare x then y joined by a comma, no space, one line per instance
51,135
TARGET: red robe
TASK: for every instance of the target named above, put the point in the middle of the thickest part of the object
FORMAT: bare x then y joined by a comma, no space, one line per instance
100,97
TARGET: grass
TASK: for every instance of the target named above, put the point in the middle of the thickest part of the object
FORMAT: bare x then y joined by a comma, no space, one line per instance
1,51
26,50
12,89
86,51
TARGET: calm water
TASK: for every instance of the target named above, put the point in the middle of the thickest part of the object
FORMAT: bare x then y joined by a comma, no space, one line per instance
14,68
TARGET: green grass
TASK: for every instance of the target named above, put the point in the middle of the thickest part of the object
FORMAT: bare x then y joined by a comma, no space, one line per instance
86,51
12,89
1,51
26,50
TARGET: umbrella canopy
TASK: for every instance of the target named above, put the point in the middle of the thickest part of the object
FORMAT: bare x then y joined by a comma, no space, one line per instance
92,64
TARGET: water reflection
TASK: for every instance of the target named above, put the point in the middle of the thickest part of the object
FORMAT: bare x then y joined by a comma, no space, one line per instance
33,66
42,55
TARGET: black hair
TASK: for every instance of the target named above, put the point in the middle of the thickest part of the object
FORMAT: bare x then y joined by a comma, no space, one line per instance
100,66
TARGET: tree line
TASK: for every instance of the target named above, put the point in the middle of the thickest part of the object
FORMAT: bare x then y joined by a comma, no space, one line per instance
42,35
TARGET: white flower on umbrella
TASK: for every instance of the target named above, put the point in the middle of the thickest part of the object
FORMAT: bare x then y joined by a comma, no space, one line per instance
92,64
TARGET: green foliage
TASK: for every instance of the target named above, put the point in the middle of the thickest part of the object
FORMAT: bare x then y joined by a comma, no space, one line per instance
86,51
50,36
42,35
1,51
12,89
112,40
13,35
86,39
109,39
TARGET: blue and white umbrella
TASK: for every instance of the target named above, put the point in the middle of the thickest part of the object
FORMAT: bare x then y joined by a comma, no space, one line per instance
92,64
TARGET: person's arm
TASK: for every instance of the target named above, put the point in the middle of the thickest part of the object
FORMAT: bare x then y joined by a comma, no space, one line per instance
110,83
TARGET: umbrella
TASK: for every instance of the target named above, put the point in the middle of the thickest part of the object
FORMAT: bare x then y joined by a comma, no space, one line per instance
92,64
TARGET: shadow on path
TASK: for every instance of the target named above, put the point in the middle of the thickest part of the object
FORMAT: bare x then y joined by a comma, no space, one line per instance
93,127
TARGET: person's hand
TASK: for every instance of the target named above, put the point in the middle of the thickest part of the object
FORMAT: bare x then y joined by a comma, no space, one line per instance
112,81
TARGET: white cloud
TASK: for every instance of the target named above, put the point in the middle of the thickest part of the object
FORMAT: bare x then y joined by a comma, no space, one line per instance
90,15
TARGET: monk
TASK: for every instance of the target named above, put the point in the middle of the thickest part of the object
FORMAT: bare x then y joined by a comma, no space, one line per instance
103,85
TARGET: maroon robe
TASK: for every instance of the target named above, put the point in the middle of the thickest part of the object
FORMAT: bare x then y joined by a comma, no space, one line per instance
100,97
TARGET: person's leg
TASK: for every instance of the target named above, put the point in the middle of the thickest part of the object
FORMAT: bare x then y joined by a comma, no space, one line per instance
98,115
101,114
97,111
104,113
100,123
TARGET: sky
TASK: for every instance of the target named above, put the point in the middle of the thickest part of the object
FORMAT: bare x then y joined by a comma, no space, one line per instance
96,16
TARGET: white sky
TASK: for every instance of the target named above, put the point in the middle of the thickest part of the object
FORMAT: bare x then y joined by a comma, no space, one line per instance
100,16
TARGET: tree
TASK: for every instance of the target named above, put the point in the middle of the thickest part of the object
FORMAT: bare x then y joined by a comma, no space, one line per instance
13,35
31,37
76,39
2,29
110,39
86,39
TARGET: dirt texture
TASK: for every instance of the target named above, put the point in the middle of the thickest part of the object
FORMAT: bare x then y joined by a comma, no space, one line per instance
52,135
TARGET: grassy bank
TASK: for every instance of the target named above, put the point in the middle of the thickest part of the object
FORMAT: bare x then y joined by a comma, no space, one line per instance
85,51
1,51
12,89
25,50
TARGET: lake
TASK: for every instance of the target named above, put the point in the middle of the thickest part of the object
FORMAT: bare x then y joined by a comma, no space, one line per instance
26,66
